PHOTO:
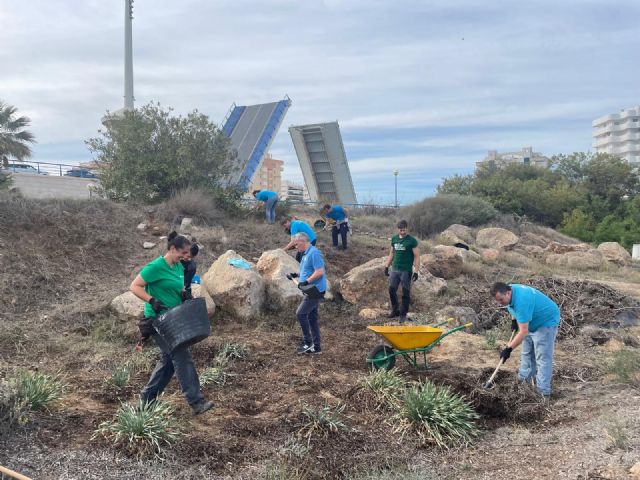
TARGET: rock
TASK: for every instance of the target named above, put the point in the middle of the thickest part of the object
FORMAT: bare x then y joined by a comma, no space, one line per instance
235,290
142,227
210,235
460,315
372,313
615,253
463,253
459,233
533,250
128,305
531,239
273,265
584,260
185,226
148,245
555,247
367,285
198,291
156,232
489,254
635,470
556,260
496,238
445,262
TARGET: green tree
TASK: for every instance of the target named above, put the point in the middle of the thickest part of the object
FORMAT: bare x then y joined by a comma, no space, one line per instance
611,178
148,153
578,224
14,139
457,185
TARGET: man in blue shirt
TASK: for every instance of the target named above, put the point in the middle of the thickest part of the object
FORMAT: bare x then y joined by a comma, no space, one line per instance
292,227
311,272
270,200
538,318
338,214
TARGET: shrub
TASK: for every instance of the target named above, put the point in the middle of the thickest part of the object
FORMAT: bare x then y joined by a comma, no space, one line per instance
5,181
387,385
625,365
434,214
40,390
12,407
438,416
321,421
142,429
195,203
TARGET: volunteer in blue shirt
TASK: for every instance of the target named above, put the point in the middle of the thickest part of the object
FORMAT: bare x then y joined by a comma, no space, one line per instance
270,200
296,226
538,318
311,272
338,214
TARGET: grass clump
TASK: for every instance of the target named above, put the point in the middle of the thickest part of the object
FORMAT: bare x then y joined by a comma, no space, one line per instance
195,203
213,376
387,386
321,421
38,390
438,416
617,434
141,430
625,365
120,376
12,407
234,351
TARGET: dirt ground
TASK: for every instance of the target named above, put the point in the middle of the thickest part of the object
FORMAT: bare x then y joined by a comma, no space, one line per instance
253,430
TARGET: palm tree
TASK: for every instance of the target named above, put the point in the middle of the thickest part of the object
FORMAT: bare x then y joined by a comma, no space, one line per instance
14,140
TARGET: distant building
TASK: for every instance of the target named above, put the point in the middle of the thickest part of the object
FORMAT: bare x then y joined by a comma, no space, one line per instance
293,192
269,175
526,156
619,134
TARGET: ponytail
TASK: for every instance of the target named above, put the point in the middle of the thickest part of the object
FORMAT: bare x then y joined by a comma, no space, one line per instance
177,241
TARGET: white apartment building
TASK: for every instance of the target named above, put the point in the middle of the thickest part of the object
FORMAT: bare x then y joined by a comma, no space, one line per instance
526,156
293,192
619,134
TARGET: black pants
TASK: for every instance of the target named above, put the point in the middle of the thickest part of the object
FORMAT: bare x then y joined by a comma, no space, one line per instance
299,254
396,278
342,229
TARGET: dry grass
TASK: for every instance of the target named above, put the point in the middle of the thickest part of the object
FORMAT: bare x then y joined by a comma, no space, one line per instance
194,203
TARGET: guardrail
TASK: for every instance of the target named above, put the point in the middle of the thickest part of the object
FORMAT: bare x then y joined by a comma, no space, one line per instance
45,168
358,208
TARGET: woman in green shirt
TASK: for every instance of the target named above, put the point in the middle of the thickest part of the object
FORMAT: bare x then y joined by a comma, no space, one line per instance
160,284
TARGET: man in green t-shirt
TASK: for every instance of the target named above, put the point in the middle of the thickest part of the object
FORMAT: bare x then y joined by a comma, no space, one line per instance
404,258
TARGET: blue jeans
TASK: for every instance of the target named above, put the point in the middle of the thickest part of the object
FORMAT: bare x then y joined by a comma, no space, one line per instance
307,313
536,360
397,277
178,361
270,209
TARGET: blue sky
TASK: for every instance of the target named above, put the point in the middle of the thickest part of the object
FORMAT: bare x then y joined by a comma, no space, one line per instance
424,87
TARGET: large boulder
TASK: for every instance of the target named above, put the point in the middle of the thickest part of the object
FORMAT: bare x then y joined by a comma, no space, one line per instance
531,239
445,262
367,285
489,254
589,260
198,291
556,247
496,238
236,290
274,265
457,233
615,253
128,305
456,316
556,260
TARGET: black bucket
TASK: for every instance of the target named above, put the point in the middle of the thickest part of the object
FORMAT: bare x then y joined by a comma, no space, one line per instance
185,324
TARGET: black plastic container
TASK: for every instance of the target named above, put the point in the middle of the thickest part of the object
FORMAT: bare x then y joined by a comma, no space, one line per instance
185,324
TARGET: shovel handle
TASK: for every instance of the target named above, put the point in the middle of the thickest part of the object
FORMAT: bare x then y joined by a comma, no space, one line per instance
495,372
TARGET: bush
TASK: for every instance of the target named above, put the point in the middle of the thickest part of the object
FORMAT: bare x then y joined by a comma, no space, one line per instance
434,214
141,430
438,416
5,181
195,203
625,365
39,390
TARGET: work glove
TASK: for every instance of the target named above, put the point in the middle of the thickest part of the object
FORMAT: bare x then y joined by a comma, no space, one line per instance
303,284
415,276
187,295
146,328
157,305
386,271
514,325
291,276
505,354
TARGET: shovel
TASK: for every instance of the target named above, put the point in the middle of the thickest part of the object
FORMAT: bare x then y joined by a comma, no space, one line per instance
490,385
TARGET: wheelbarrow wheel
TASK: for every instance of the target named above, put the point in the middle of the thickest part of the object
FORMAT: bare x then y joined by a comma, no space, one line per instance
378,360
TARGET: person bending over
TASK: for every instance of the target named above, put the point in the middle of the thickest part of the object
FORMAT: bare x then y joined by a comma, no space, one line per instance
293,227
270,201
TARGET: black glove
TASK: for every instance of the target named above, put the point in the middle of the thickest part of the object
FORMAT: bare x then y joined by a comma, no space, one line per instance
415,276
187,295
386,271
157,305
505,354
291,276
514,325
146,327
303,284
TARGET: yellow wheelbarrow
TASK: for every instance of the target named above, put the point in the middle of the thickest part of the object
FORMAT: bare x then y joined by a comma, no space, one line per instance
408,341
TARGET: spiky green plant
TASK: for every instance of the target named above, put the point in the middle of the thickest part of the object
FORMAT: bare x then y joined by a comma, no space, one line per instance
438,416
387,386
234,351
213,376
142,429
120,376
39,391
321,421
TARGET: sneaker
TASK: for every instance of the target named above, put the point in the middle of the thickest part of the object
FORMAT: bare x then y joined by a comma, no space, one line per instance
304,349
316,350
201,407
393,315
